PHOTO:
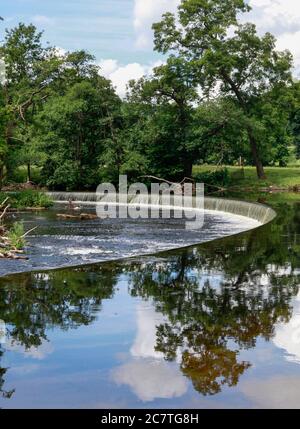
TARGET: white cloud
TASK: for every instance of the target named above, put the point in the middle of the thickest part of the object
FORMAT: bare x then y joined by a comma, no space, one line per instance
275,14
282,18
279,392
147,374
39,353
147,321
287,336
60,52
120,74
291,41
151,379
145,13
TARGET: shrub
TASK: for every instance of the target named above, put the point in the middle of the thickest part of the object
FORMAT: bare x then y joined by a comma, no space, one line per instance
216,178
28,198
16,234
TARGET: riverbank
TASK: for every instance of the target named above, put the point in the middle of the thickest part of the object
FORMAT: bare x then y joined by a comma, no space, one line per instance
12,235
26,199
283,179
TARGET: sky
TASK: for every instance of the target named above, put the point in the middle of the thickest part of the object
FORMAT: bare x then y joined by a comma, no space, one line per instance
118,32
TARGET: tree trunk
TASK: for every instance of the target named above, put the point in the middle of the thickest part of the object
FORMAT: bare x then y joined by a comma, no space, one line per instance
1,174
259,167
256,159
28,172
188,167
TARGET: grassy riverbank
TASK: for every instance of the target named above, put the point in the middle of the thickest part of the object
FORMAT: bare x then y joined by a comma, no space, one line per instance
26,199
12,236
283,178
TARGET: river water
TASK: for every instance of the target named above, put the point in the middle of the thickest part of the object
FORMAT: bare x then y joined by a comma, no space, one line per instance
213,325
58,243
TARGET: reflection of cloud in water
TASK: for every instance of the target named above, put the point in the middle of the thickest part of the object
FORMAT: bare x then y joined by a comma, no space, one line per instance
274,392
148,375
287,335
147,321
150,379
39,353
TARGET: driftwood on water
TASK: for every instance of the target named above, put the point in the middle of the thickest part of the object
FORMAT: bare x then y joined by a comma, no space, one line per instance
81,216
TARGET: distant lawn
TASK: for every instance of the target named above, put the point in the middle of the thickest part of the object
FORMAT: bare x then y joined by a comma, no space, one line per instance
284,177
20,174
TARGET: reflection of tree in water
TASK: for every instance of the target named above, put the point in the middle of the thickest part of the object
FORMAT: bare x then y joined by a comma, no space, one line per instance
218,299
208,324
30,303
4,393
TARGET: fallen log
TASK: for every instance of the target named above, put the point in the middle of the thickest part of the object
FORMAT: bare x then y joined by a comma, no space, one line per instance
81,216
11,255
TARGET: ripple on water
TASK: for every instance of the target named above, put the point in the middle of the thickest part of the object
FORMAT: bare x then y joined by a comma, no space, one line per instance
66,243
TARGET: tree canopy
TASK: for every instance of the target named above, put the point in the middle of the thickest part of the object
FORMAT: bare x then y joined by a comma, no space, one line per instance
222,93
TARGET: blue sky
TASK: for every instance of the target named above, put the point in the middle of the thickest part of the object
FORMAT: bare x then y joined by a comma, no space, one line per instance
118,32
104,27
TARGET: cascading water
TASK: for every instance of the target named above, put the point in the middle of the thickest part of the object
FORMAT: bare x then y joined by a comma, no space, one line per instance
259,212
58,243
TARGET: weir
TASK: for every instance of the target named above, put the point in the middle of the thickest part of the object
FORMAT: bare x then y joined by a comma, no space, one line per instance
257,211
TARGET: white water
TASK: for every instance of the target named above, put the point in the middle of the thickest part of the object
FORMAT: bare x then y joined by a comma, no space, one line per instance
259,212
61,243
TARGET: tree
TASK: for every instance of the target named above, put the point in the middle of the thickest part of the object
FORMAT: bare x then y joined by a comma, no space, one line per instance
244,65
29,71
295,118
162,119
72,131
173,89
3,124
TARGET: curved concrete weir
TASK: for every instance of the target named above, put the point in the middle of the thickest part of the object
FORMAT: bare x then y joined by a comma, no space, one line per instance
63,243
259,212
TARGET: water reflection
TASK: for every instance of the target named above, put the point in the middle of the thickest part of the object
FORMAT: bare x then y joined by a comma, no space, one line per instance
195,320
147,373
208,324
287,335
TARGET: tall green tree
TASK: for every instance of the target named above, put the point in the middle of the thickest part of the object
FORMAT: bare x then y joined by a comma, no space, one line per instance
72,131
243,65
29,70
295,118
165,104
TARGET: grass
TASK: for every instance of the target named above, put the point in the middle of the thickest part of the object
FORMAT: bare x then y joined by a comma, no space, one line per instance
16,236
285,177
20,174
27,199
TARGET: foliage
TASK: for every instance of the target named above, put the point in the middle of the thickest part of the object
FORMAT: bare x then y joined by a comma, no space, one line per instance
162,105
219,97
295,118
73,129
16,235
218,177
27,199
243,66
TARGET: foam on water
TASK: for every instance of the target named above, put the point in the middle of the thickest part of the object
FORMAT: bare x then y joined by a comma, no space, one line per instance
60,243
